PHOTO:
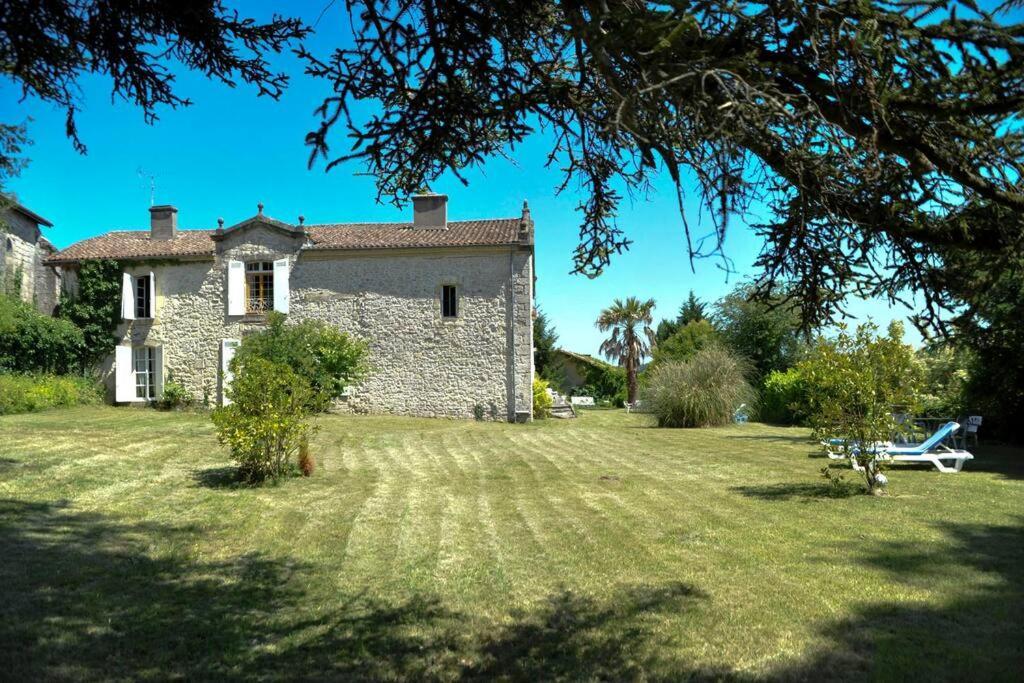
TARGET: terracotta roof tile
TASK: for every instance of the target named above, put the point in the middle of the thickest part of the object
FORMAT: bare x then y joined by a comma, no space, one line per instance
136,244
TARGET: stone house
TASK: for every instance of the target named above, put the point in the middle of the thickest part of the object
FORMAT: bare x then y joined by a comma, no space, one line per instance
445,306
23,268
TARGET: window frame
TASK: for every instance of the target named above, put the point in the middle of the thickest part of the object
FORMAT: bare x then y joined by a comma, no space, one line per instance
449,299
143,292
145,379
261,274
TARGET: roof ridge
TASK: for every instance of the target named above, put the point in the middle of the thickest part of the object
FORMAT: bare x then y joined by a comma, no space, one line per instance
462,220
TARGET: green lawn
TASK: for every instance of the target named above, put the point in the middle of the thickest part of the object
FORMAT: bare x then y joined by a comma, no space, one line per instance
429,549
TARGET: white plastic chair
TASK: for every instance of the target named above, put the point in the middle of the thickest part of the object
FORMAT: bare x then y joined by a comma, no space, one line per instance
971,428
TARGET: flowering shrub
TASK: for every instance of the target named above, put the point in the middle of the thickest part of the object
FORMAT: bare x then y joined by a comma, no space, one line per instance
854,382
541,399
267,421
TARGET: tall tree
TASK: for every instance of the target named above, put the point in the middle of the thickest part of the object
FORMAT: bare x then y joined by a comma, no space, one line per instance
46,47
544,340
767,333
878,133
632,337
990,326
692,310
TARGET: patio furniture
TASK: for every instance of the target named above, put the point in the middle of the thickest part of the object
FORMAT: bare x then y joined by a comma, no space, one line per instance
973,422
930,451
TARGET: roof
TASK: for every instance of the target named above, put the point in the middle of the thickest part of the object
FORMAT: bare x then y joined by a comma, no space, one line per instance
137,244
28,213
583,357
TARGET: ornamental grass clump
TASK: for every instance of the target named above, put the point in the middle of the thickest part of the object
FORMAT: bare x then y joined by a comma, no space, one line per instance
704,391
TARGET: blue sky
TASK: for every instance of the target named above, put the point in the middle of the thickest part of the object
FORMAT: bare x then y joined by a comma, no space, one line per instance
231,150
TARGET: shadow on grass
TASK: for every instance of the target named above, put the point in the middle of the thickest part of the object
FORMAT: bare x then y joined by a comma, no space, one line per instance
82,596
975,634
779,492
801,440
1006,461
219,478
575,637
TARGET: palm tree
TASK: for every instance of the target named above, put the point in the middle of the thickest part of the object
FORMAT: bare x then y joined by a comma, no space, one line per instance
632,337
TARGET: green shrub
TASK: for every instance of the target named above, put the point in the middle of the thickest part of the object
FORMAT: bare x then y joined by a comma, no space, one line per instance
783,398
541,399
24,393
266,423
704,391
853,382
36,343
605,383
685,342
946,372
327,359
174,396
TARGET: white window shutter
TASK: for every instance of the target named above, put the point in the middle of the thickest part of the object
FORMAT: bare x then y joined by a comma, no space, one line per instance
158,371
236,288
227,352
124,374
152,295
281,290
127,297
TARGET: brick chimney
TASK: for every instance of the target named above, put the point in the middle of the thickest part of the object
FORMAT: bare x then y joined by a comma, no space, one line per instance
430,211
163,222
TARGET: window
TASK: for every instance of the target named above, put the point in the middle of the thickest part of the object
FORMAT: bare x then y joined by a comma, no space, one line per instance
144,362
142,294
259,287
449,302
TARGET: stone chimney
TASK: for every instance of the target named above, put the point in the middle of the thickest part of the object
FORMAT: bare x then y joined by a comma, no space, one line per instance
163,222
430,211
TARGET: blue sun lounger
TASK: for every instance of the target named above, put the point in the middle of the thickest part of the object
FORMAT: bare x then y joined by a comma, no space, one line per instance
931,451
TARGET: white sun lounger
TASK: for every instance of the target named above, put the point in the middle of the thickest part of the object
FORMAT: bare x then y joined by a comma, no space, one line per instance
930,451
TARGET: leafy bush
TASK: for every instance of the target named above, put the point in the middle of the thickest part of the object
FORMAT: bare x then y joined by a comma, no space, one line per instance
36,343
946,371
853,383
541,399
686,341
704,391
605,383
327,359
783,398
175,396
265,424
24,393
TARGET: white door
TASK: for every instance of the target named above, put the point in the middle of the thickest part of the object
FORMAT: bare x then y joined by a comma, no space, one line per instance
228,347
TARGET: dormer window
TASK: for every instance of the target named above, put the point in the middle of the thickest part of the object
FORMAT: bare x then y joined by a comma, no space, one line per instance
259,287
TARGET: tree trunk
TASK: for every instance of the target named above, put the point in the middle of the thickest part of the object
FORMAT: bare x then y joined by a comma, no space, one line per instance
631,382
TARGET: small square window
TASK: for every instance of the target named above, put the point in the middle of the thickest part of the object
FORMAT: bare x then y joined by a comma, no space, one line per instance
449,302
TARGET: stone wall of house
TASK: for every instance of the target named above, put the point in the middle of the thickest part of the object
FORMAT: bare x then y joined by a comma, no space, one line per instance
421,364
22,268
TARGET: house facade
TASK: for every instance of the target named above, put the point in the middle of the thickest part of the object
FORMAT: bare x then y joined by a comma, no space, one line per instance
445,306
23,269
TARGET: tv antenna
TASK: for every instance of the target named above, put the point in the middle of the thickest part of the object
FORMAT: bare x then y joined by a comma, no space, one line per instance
145,175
